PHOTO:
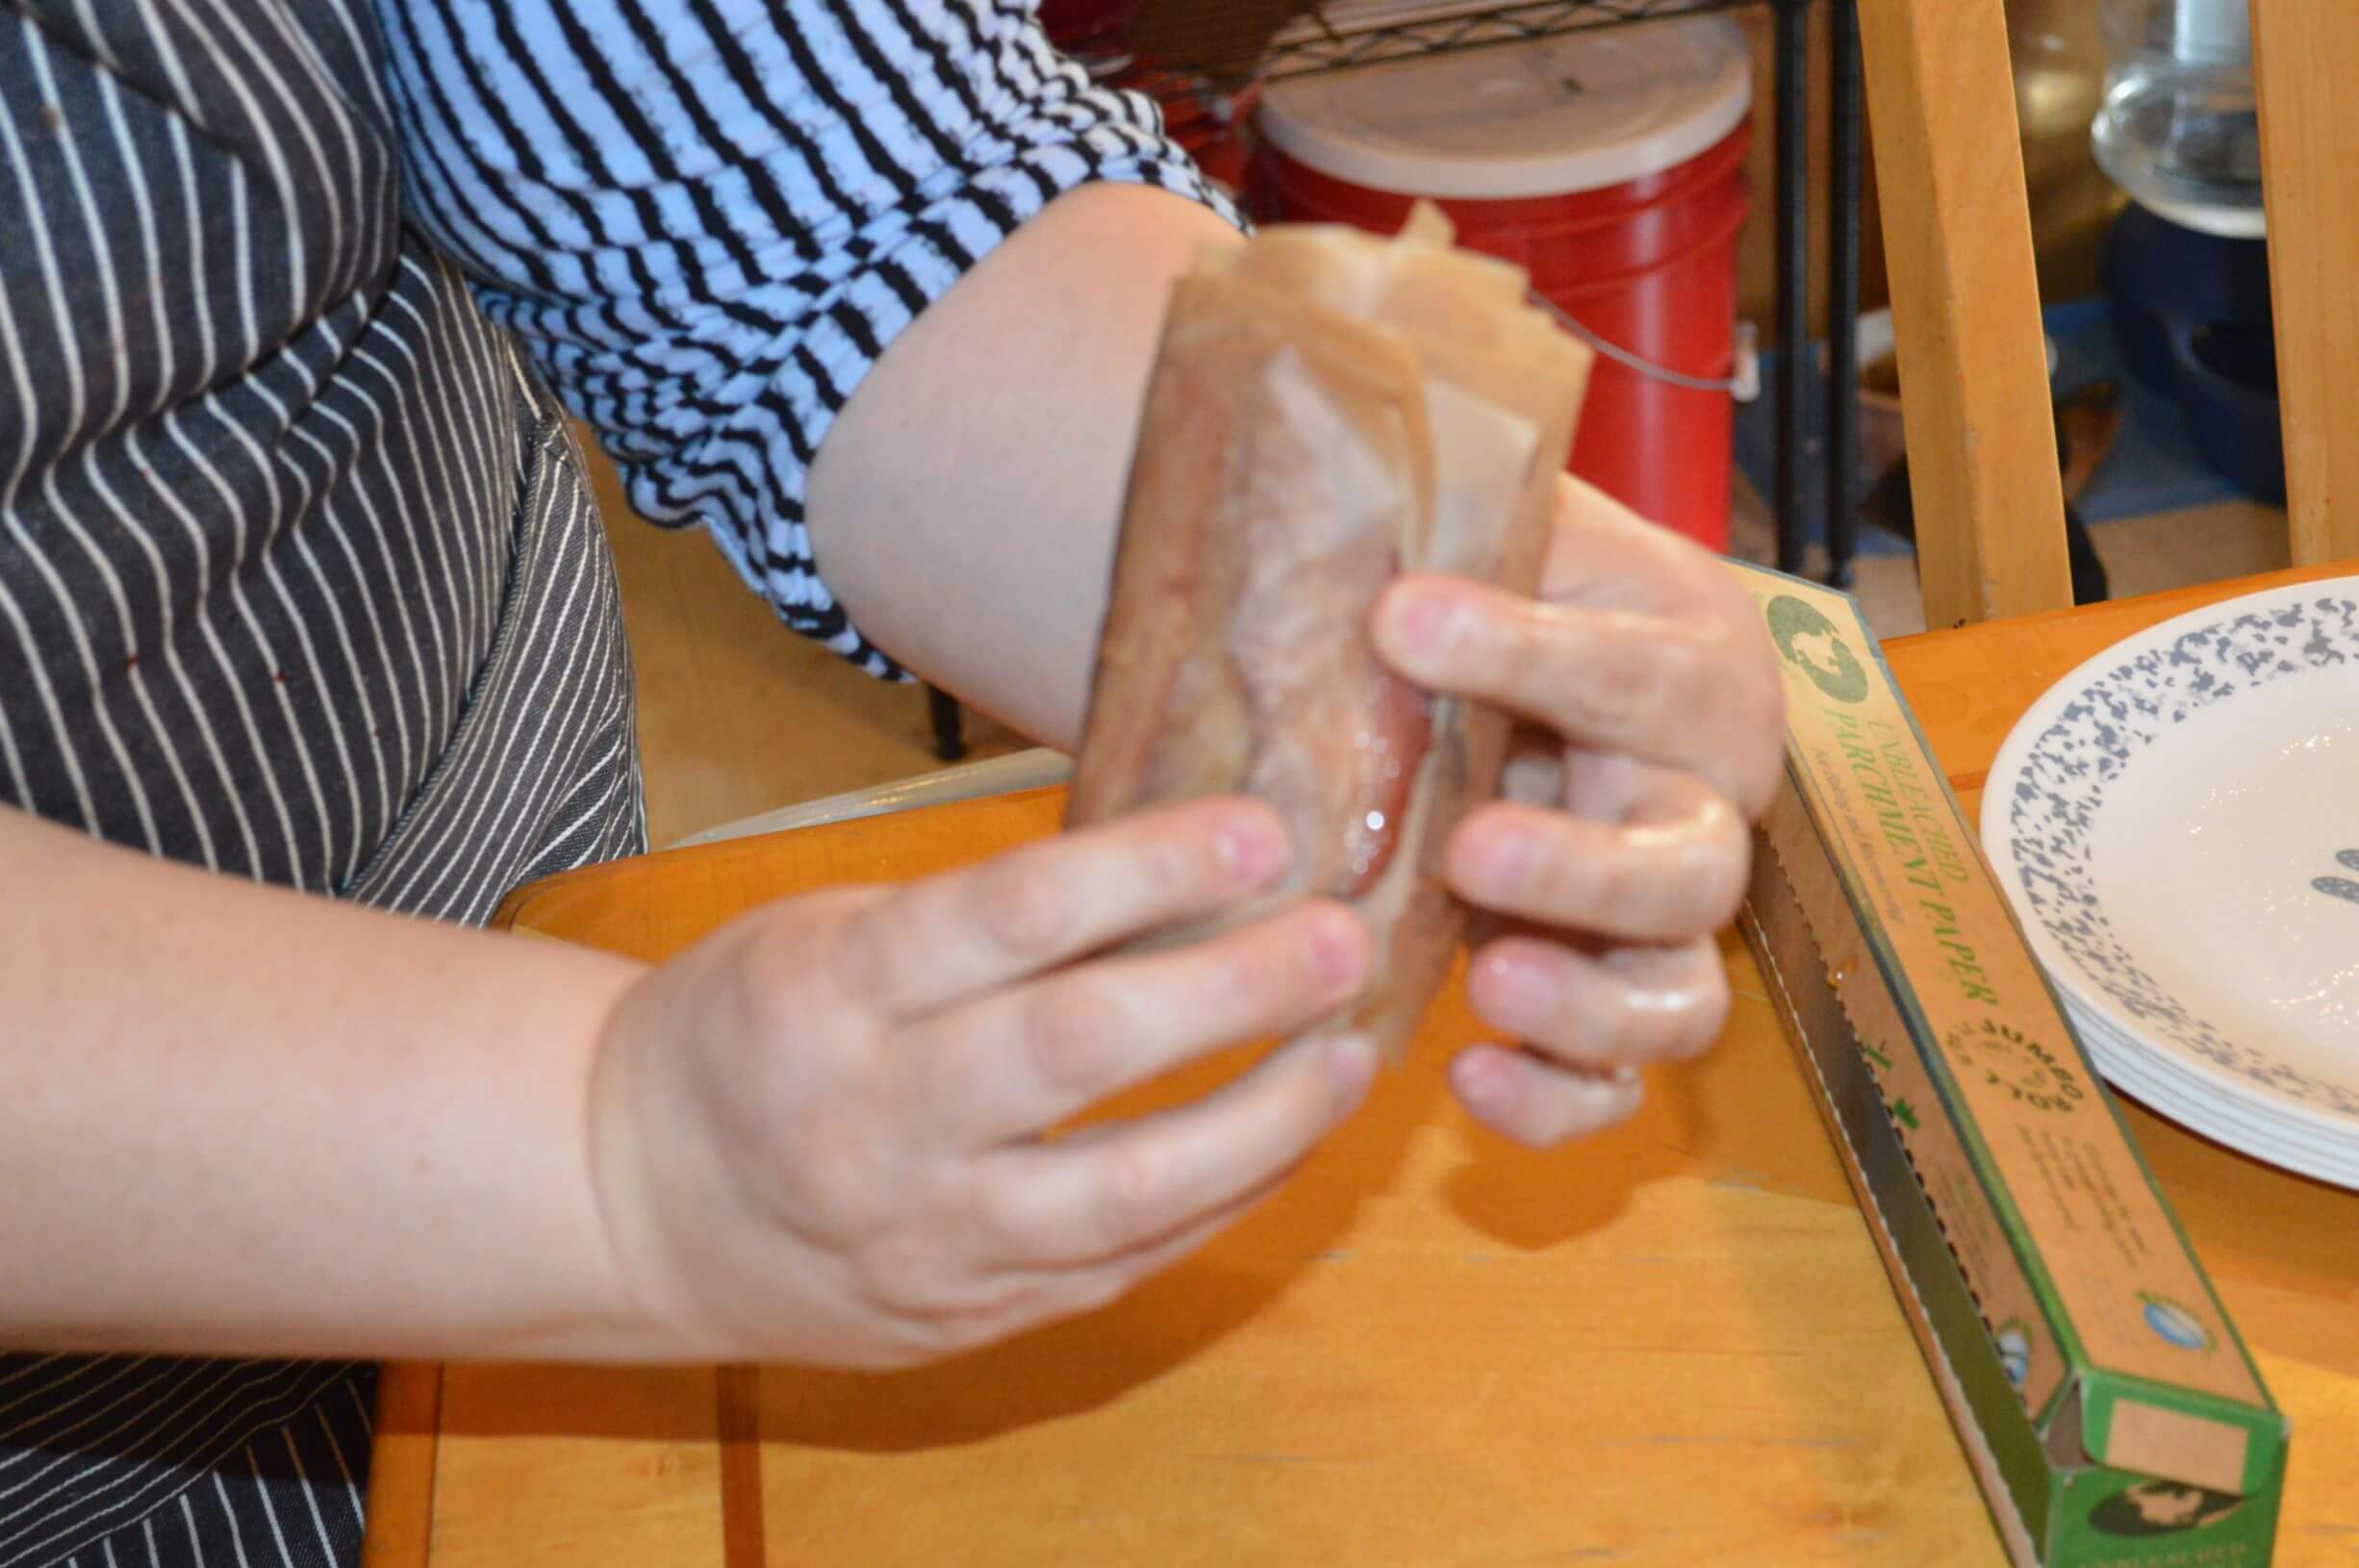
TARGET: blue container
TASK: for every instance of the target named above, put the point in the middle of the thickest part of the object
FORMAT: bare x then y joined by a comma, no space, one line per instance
2189,314
2227,387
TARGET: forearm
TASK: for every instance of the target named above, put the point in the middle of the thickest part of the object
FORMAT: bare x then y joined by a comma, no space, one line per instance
243,1121
964,508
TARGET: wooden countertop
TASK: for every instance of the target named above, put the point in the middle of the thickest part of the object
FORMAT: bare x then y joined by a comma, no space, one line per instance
1671,1345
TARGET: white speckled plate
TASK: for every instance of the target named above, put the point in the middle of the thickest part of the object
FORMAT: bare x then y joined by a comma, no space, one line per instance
2147,1078
2177,825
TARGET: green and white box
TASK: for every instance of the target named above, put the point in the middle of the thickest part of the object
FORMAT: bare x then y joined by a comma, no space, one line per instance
2107,1404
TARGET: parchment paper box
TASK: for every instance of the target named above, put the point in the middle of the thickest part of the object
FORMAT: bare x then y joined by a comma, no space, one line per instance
2104,1399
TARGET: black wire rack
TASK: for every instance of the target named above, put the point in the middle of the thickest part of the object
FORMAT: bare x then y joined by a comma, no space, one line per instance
1274,40
1334,38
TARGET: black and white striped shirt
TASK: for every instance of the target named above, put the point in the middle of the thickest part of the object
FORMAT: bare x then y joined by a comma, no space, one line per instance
299,579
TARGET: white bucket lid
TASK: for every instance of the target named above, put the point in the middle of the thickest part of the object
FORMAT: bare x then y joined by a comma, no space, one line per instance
1545,118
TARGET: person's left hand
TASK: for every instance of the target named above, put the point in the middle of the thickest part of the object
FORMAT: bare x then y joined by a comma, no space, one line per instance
1622,847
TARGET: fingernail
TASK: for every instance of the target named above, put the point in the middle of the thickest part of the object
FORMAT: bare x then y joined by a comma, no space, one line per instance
1338,948
1483,1077
1350,1066
1524,995
1623,1094
1255,847
1504,858
1426,626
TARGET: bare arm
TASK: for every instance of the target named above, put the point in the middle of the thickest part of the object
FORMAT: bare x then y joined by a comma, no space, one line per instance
241,1120
965,505
248,1121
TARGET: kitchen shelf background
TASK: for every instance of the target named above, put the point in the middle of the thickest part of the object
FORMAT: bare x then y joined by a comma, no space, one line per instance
1231,45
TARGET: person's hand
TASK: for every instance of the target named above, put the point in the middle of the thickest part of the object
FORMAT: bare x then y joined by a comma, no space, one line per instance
818,1134
1622,848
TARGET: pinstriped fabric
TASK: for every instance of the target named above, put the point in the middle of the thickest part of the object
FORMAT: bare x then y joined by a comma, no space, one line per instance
298,577
298,581
262,1465
266,473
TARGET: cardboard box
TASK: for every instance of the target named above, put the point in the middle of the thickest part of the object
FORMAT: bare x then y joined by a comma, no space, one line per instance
2105,1399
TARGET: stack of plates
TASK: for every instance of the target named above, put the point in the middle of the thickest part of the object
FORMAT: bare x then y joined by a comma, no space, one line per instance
2176,823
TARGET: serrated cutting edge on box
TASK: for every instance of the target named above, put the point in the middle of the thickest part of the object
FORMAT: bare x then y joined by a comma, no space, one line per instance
1775,925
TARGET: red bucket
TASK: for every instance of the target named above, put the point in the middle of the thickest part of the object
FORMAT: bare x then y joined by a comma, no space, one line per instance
1610,166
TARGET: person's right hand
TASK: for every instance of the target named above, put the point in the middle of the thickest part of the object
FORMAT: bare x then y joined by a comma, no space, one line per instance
818,1134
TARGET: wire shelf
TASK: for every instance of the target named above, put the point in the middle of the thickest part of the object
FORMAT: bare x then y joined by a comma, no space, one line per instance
1343,35
1330,39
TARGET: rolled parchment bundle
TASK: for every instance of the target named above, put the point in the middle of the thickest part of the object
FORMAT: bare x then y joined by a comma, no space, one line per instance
1328,410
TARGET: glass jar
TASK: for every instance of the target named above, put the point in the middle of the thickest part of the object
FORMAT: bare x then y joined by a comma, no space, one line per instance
2179,129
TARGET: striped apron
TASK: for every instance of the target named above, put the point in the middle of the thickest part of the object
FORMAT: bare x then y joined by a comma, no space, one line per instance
299,581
